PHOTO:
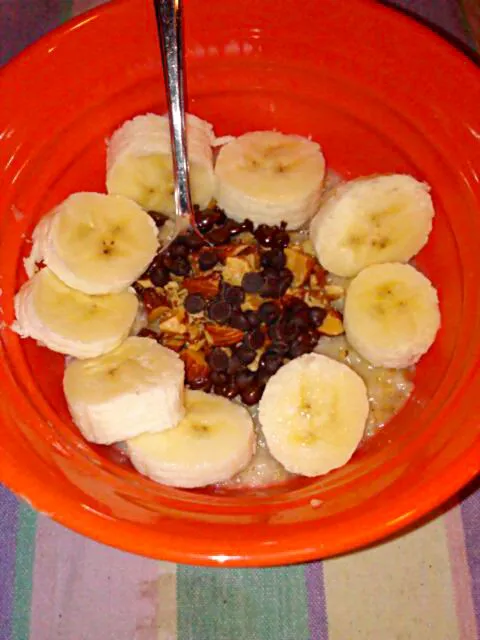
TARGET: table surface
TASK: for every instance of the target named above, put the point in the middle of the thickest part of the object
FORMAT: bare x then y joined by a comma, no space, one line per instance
57,585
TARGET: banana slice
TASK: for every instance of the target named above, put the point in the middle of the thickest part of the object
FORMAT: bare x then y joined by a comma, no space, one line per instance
372,220
214,441
139,162
391,315
136,388
313,414
270,177
71,322
95,243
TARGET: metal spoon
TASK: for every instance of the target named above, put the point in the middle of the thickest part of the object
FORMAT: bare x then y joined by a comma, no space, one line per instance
170,33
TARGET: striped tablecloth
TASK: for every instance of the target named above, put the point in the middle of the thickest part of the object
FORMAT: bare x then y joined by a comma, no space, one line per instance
57,585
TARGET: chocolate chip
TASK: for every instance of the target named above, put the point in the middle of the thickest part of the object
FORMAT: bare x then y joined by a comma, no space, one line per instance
271,286
239,321
234,365
219,236
281,239
301,320
276,331
271,361
300,346
218,378
245,354
218,216
268,312
252,317
263,377
218,359
178,249
159,276
180,267
285,280
200,383
234,296
296,304
264,235
193,240
247,226
194,303
207,259
219,311
280,347
252,394
252,282
254,339
244,379
317,316
283,331
228,390
204,220
234,227
275,258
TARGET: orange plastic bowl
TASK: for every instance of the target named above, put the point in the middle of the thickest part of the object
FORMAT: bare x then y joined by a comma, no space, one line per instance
381,94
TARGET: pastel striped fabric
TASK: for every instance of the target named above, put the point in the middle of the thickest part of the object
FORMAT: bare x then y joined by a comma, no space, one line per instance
57,585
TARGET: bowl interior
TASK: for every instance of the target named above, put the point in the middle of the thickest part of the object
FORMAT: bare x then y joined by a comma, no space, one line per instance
268,71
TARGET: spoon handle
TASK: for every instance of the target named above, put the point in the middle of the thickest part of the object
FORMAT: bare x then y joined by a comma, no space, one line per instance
169,23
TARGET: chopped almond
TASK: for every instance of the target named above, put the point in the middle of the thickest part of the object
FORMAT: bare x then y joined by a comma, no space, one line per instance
222,336
332,325
206,285
334,292
176,343
237,266
175,324
153,298
196,367
252,302
197,345
195,332
318,276
159,313
316,298
230,250
300,264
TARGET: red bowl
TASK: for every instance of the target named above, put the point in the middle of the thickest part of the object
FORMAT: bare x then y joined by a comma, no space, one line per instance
381,94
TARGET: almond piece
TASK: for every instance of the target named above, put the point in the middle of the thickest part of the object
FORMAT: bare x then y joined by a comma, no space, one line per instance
252,302
300,264
334,292
221,336
206,285
316,298
175,324
230,250
196,367
197,345
318,276
176,343
159,313
237,266
153,298
195,332
332,325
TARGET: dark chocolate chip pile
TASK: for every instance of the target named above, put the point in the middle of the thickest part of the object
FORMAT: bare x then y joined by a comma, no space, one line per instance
263,339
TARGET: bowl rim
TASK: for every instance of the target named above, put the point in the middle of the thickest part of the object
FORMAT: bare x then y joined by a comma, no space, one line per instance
67,511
